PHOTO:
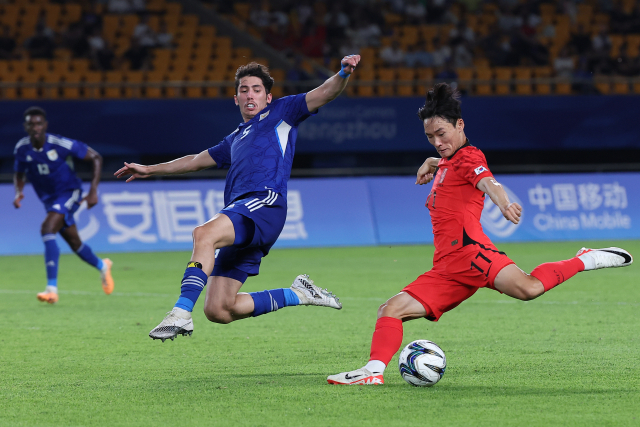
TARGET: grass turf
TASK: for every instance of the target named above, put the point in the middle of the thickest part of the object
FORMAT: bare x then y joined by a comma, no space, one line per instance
569,358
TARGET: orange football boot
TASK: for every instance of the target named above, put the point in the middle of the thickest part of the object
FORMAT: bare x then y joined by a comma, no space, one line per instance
50,297
107,279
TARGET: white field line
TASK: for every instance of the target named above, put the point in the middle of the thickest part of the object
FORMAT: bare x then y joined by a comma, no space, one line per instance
469,301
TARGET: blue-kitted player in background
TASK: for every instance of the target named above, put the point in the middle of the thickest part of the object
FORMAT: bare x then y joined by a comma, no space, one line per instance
259,155
46,161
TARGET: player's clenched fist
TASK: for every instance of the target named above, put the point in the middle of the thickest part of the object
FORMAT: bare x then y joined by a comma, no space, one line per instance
349,63
17,200
512,212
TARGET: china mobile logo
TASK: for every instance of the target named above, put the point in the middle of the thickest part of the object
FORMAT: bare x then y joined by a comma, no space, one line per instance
492,219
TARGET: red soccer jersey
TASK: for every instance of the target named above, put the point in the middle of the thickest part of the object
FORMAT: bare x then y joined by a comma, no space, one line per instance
455,204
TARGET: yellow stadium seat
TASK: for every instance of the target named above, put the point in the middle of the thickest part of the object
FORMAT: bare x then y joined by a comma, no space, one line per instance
406,80
113,84
92,84
153,88
71,85
30,85
542,87
386,80
483,87
523,81
133,85
503,77
51,85
10,92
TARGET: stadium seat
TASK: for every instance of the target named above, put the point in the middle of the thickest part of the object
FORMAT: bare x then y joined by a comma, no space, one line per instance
386,80
503,77
9,92
51,85
113,84
406,80
621,87
465,77
523,81
71,85
483,86
92,84
133,86
153,87
424,80
80,65
542,87
30,85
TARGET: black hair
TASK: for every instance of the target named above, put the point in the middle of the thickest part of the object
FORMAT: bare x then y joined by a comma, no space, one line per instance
442,101
256,70
34,111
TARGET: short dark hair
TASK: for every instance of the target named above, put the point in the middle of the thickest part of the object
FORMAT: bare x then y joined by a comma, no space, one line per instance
256,70
34,111
442,101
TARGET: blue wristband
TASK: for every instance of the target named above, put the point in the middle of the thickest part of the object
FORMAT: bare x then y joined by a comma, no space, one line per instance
342,74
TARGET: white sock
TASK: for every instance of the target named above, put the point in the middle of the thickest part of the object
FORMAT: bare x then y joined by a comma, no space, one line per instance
588,261
182,312
375,367
50,289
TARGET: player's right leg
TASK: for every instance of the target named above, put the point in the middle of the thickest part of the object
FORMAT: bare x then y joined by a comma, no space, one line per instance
53,222
216,233
84,251
387,339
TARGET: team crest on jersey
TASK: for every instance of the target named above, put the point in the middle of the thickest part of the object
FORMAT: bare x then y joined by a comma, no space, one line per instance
479,170
29,158
52,155
264,115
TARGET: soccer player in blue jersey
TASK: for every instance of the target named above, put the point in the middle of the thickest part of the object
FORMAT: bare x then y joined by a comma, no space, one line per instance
259,154
45,160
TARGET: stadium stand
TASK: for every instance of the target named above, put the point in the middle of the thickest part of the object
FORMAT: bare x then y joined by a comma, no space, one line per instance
82,49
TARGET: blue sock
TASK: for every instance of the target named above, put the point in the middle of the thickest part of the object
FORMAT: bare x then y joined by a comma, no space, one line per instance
193,283
86,254
268,301
51,258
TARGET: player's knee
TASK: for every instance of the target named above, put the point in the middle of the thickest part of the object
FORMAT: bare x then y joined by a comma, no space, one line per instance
199,233
530,289
218,315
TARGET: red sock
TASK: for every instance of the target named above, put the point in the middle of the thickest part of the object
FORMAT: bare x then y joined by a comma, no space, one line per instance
551,274
387,339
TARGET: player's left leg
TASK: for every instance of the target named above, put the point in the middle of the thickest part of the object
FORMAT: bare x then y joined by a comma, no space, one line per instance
387,339
514,282
71,236
53,222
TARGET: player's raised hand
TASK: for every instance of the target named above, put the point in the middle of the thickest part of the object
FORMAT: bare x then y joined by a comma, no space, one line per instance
512,212
349,63
17,201
133,171
426,171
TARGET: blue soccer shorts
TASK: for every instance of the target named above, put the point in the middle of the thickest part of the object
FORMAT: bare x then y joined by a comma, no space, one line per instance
67,204
258,219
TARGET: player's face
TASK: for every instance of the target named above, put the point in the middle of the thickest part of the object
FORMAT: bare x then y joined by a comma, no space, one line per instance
251,97
445,137
36,127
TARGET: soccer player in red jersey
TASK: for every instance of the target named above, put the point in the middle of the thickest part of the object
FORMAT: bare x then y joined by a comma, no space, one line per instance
465,260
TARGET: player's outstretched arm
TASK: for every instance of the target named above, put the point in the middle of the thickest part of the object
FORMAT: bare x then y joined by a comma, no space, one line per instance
18,185
491,187
334,85
186,164
426,171
96,159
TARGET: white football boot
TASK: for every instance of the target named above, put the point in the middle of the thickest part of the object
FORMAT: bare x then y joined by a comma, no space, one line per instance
310,294
177,322
595,259
360,376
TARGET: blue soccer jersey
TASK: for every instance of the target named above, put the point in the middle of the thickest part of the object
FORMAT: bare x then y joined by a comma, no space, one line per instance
50,169
259,153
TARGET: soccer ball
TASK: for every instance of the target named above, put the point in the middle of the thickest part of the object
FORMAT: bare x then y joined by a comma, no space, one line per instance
422,363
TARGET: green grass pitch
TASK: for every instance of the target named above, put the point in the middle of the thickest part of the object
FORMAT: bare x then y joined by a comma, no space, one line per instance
568,358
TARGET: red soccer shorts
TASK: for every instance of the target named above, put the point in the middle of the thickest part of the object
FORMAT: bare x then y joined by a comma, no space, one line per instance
456,277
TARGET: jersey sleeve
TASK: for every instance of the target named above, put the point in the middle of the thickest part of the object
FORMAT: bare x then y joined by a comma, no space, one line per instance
295,109
472,166
19,166
78,149
221,153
